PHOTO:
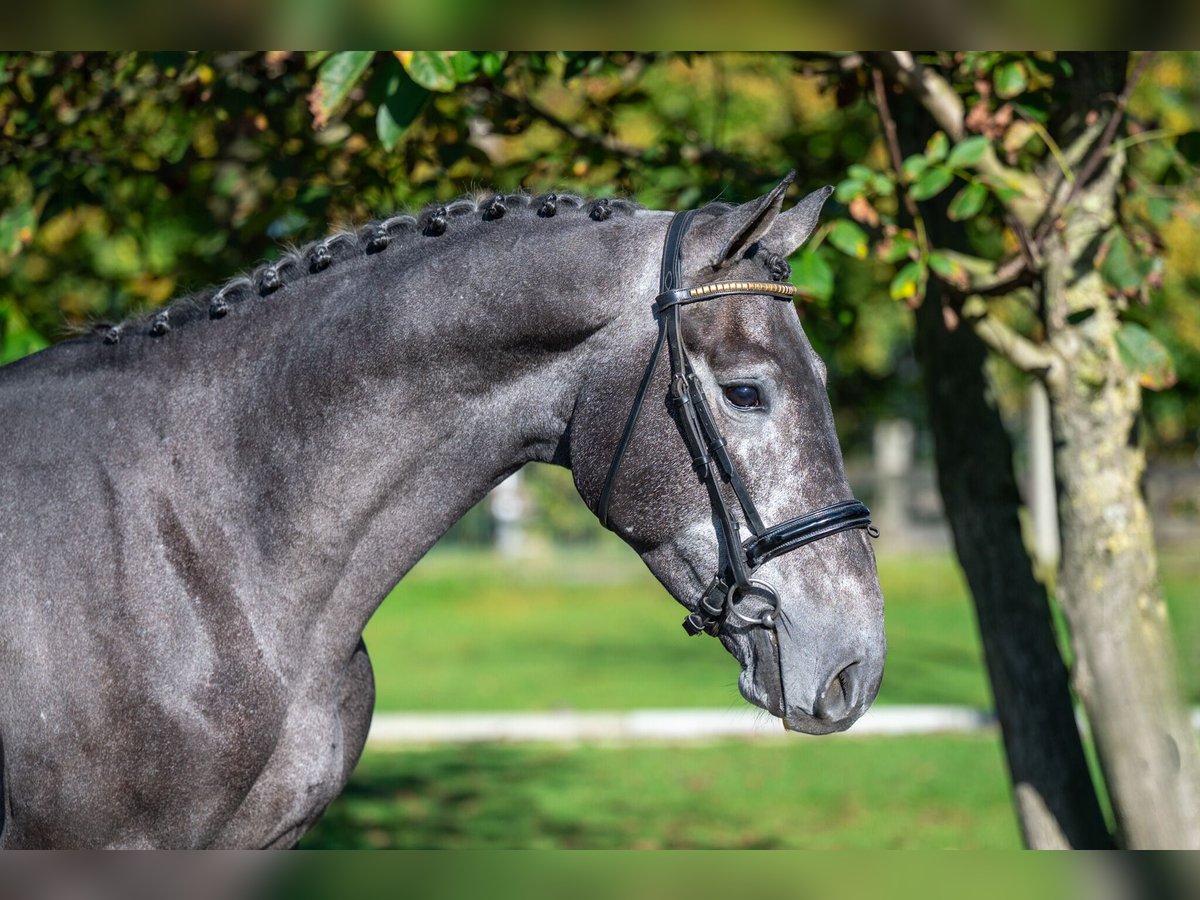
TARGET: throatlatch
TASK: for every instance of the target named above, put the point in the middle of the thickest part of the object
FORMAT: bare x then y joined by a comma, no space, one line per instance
734,582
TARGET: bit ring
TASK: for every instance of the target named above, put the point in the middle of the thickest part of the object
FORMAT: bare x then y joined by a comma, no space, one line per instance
767,619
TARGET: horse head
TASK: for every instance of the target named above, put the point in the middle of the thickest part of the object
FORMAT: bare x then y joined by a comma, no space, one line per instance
730,464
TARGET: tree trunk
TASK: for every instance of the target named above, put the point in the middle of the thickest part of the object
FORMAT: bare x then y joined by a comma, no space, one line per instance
1108,584
1053,791
1054,795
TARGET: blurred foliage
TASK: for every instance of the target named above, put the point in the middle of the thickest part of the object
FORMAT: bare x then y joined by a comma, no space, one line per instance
1167,148
126,179
1015,104
130,178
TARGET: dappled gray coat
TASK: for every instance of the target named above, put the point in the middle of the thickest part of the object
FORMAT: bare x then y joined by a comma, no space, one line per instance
202,509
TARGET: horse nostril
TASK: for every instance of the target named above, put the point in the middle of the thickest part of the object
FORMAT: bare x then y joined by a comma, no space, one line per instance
840,695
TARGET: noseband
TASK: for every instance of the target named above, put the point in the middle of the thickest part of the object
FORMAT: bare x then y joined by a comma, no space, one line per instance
734,582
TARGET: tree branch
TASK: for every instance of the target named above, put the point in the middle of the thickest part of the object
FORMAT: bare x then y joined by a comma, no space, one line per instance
1110,129
1099,150
933,91
945,106
1032,358
1005,278
893,141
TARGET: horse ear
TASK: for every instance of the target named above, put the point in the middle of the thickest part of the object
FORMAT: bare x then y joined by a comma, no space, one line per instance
792,228
732,234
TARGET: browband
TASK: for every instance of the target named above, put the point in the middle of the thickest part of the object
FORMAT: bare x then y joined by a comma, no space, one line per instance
717,289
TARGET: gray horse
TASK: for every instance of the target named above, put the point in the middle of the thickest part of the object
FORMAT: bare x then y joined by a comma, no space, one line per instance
202,509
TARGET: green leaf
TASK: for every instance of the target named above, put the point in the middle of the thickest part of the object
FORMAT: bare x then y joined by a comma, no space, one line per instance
860,172
335,81
813,277
968,202
492,62
1018,135
882,185
849,238
912,167
1006,193
465,65
1010,79
847,190
1160,209
337,77
17,337
949,270
1146,357
1039,113
16,228
431,69
1120,264
897,247
967,152
935,150
580,63
402,103
909,282
932,182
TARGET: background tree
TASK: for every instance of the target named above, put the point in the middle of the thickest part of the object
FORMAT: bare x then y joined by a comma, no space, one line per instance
1050,234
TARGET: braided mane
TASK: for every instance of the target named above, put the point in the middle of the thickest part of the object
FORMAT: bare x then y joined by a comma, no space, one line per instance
378,236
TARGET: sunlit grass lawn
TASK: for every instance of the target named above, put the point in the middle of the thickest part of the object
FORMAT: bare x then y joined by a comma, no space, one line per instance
839,792
592,629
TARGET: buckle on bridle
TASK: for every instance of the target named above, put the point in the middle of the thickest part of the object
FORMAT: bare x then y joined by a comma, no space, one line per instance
710,609
695,624
713,600
719,602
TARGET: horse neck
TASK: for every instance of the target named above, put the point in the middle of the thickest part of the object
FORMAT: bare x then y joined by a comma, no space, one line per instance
398,392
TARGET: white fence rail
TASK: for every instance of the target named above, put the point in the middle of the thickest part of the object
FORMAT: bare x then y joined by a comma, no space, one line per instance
397,730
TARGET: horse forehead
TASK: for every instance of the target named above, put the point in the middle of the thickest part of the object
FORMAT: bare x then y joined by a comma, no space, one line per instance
750,328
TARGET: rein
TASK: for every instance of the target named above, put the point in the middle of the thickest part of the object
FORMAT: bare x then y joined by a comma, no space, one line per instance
734,582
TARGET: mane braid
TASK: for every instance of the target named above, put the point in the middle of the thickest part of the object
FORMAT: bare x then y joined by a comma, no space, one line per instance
377,236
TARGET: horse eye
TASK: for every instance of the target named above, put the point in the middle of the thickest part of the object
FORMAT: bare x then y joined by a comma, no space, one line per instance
743,395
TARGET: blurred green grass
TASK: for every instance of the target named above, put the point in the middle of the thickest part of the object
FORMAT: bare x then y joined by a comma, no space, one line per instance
1180,571
592,629
819,793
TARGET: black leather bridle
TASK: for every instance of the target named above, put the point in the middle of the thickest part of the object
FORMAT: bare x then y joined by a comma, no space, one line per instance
733,582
